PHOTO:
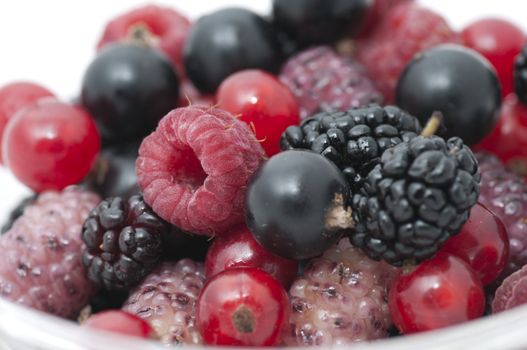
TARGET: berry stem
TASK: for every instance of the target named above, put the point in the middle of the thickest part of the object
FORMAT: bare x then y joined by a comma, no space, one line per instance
433,124
140,34
339,216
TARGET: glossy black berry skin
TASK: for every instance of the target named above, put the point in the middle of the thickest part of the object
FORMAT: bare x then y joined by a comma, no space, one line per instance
520,75
124,242
227,41
313,22
289,203
128,88
114,173
457,82
419,195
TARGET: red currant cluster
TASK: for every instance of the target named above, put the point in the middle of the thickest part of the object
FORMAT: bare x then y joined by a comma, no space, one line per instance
263,184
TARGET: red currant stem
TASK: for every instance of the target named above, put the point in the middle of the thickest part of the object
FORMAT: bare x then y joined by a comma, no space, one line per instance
140,34
339,215
433,124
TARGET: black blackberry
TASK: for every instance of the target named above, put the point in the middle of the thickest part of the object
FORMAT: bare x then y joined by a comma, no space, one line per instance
124,241
17,212
354,140
419,195
520,75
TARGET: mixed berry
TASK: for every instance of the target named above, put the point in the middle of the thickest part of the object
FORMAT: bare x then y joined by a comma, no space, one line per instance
338,171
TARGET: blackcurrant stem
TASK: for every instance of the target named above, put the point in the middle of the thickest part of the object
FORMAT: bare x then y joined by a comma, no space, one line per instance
433,124
140,34
339,216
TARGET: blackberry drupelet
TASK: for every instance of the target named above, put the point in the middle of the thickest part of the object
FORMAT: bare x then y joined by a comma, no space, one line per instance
354,140
418,196
123,242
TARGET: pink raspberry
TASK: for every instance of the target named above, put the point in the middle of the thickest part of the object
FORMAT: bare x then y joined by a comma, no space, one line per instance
404,32
194,168
168,27
16,96
41,263
512,292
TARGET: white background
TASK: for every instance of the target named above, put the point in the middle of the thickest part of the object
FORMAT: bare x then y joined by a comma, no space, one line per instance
52,41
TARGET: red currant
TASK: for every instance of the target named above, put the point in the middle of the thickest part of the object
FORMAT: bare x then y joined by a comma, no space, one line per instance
121,322
16,96
263,102
508,139
50,145
482,243
238,248
500,41
243,306
440,292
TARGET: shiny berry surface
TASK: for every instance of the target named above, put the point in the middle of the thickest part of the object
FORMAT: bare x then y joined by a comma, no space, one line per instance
238,248
261,101
296,204
508,139
227,41
128,88
50,145
499,41
16,96
459,83
482,243
312,22
243,306
121,322
440,292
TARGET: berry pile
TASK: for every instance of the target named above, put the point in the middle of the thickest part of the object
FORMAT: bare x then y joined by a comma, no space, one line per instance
238,181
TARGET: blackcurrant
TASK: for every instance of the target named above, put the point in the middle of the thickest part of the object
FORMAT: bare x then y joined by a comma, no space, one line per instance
114,174
227,41
128,88
312,22
456,81
296,204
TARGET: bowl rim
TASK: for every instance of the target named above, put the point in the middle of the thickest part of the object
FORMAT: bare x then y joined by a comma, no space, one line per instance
31,329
